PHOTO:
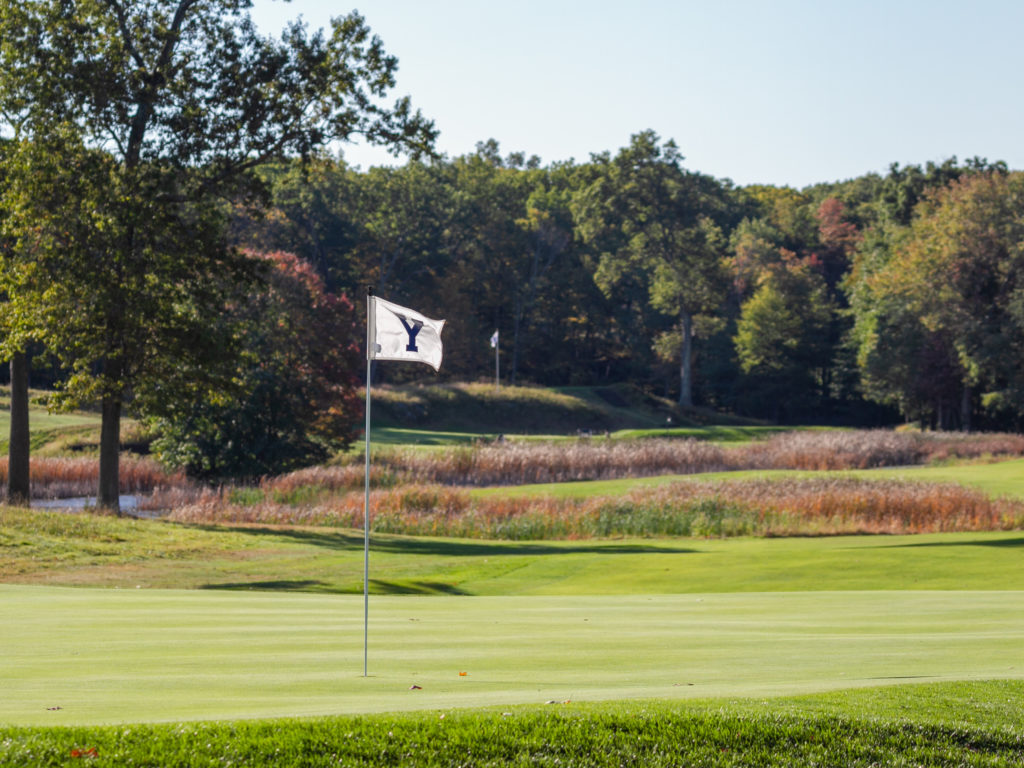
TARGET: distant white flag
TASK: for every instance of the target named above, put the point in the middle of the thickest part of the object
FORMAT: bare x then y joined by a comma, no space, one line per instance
494,340
398,333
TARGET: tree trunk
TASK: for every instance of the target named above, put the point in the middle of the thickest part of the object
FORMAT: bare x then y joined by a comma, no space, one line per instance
109,496
965,409
18,467
685,362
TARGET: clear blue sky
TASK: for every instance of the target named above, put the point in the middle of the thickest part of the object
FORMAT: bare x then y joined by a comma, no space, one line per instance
772,91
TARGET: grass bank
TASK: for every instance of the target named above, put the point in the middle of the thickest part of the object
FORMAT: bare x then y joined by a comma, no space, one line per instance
974,724
84,550
482,409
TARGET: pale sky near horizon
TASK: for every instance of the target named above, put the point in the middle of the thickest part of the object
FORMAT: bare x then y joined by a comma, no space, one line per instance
785,92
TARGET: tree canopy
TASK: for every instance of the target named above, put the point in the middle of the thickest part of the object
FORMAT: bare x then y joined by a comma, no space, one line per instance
172,105
153,148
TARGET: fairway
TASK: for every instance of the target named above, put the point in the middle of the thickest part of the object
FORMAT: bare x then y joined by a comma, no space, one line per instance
74,656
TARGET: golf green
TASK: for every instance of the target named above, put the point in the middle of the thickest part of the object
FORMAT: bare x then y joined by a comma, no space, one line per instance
86,656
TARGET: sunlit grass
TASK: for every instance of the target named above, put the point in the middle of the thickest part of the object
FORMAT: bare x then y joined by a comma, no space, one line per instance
151,655
85,550
934,724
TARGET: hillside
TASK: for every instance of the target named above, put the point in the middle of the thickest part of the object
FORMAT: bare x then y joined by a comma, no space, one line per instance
52,433
484,409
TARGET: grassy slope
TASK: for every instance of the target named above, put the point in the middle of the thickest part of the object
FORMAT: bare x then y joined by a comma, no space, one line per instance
51,432
458,410
82,550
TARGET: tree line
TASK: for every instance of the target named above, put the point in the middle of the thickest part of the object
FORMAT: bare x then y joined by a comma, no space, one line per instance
884,297
178,240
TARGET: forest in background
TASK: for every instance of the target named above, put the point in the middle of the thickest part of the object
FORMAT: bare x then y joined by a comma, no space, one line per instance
178,243
860,302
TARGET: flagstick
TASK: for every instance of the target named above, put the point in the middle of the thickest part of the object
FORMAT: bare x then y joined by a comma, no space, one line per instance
407,325
366,482
497,369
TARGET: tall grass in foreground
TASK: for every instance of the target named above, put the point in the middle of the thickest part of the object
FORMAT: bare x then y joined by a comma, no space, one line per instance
793,507
648,733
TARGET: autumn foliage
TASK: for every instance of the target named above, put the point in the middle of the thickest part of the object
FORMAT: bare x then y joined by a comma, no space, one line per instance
417,493
294,401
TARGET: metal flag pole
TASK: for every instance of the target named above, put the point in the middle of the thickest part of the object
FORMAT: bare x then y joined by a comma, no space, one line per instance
366,482
404,334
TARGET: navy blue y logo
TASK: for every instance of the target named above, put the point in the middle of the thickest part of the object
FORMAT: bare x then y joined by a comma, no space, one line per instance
413,331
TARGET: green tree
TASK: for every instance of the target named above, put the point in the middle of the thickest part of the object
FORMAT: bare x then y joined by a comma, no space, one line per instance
294,400
549,234
904,187
486,247
48,187
655,224
782,338
186,100
310,211
402,215
18,445
946,296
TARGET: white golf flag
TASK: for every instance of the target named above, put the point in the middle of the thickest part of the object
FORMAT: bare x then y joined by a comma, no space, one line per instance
398,333
494,340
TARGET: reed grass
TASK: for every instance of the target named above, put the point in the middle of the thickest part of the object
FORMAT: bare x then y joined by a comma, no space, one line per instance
418,493
58,478
791,507
519,463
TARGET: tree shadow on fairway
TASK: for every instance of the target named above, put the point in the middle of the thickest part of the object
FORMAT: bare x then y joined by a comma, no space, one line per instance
346,540
1017,543
464,548
377,587
324,539
381,587
276,585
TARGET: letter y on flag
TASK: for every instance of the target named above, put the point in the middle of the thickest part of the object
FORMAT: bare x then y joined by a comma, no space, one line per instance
399,333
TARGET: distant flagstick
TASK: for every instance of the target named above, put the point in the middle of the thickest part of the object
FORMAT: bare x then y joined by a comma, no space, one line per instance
497,360
392,333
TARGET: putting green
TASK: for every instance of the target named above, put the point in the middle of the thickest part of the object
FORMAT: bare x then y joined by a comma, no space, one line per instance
76,656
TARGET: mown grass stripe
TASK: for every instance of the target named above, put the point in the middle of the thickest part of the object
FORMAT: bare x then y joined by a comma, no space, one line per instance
107,656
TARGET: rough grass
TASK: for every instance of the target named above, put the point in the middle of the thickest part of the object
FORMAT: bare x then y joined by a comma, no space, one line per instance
828,505
419,493
786,732
518,463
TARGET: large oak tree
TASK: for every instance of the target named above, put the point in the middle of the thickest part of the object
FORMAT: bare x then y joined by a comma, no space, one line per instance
654,225
178,102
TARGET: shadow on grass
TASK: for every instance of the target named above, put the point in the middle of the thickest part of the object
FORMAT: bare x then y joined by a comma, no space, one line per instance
343,540
377,587
381,587
1017,543
277,585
